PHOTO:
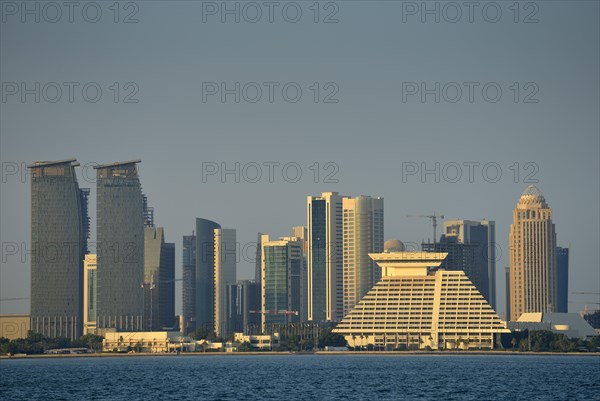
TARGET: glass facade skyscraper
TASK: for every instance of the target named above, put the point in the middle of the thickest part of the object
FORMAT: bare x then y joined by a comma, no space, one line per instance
205,259
159,280
281,285
59,233
120,255
325,286
225,266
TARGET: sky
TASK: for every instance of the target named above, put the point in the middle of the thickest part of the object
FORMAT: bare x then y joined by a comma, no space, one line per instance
431,105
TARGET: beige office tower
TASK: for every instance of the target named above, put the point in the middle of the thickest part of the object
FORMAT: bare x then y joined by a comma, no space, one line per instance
89,294
362,226
532,248
325,285
224,274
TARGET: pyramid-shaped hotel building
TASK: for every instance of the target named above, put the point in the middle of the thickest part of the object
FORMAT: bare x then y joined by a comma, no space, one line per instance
417,305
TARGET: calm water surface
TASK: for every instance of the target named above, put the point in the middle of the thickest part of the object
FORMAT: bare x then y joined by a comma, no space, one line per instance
303,377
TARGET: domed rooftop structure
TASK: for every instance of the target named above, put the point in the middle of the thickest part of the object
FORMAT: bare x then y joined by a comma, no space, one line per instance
393,245
532,197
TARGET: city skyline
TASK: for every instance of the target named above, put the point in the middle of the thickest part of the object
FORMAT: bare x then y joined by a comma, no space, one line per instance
243,257
319,199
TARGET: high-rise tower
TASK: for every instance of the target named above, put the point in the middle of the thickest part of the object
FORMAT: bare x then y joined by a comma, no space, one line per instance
532,244
159,280
224,274
120,255
281,286
325,284
362,234
205,259
59,233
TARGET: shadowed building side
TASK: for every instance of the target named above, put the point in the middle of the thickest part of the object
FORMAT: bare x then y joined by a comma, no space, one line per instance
205,288
189,283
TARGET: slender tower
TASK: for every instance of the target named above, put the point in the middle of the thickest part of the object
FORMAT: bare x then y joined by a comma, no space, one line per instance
325,286
532,243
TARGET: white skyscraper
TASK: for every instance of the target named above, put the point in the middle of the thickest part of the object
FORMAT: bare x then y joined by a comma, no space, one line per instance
362,234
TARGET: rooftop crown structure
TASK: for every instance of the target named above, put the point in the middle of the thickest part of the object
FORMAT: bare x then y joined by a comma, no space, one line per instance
416,305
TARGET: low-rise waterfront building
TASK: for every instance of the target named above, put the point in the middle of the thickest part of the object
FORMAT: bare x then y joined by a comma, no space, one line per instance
262,341
146,341
570,324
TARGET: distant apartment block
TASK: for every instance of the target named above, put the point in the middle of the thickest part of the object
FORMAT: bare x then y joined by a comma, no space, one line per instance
59,233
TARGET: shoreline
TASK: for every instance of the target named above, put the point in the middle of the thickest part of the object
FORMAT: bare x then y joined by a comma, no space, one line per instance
289,353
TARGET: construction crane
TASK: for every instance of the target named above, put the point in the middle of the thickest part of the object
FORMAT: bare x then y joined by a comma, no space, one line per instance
433,218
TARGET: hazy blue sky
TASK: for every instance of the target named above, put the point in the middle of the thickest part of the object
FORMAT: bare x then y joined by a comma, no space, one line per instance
370,57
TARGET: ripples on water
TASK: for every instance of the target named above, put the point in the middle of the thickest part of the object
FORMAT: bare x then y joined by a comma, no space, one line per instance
303,377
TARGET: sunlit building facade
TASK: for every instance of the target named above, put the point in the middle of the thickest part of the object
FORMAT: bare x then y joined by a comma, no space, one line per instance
416,305
532,249
362,226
